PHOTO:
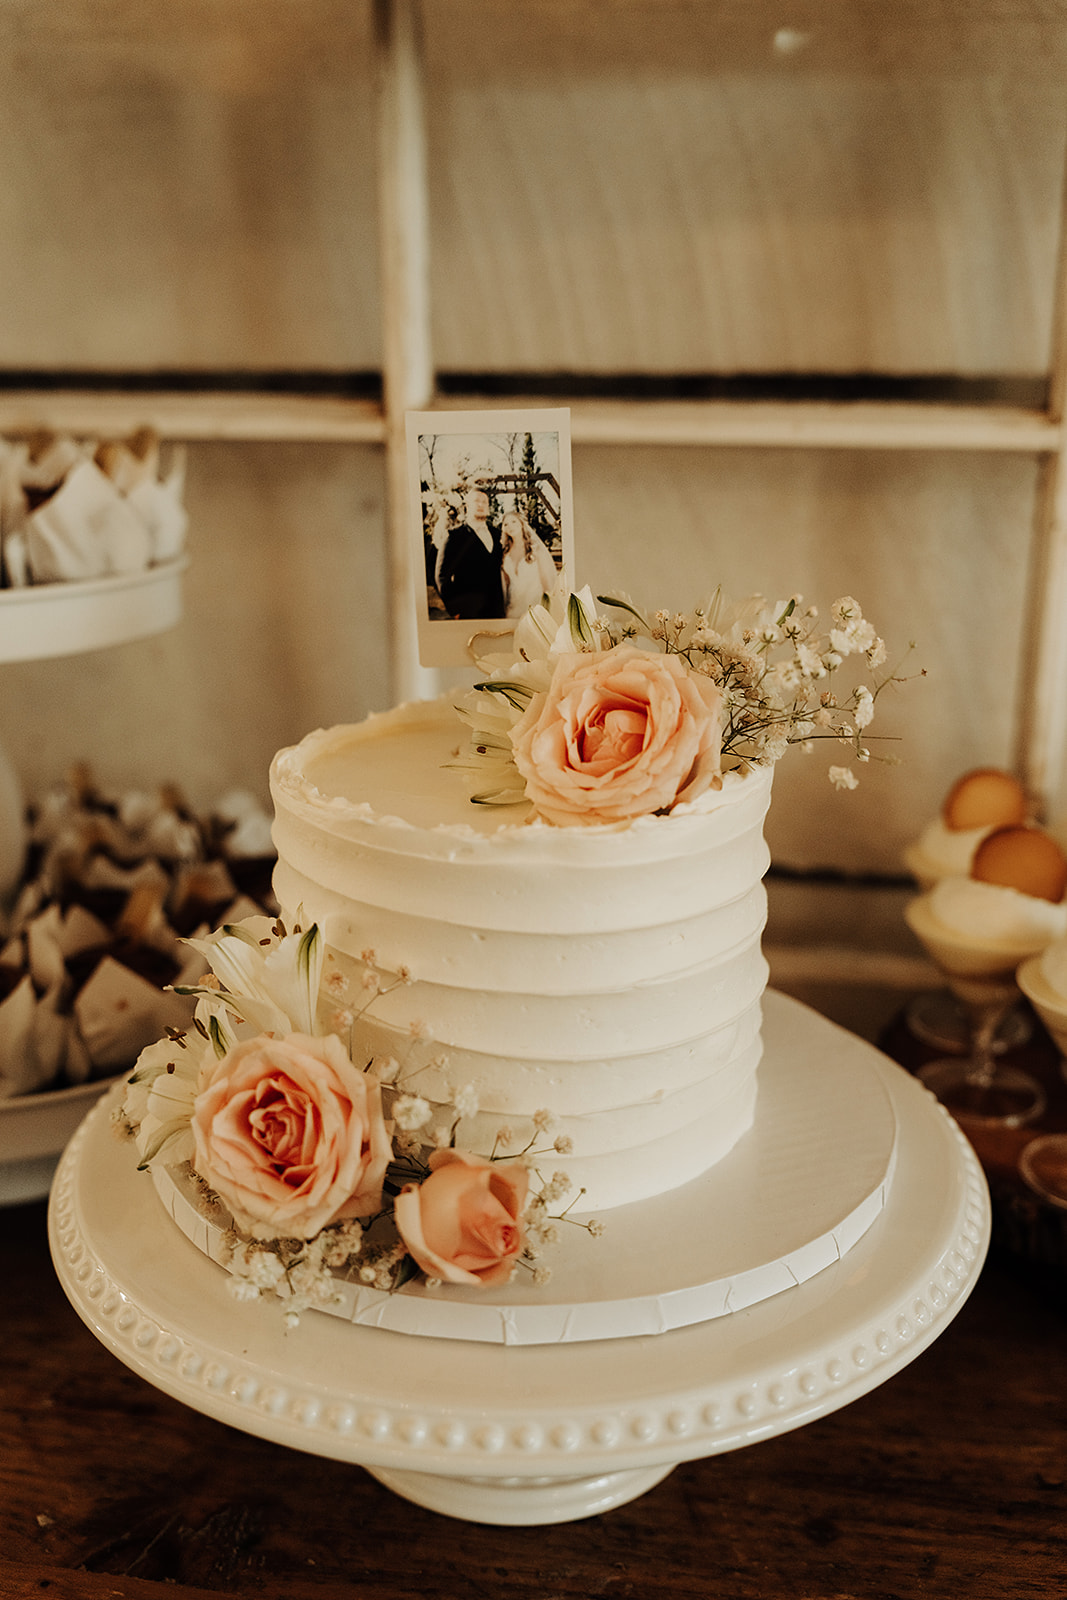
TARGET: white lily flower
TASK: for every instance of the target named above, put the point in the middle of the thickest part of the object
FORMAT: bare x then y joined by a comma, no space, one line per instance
535,632
271,982
566,623
160,1096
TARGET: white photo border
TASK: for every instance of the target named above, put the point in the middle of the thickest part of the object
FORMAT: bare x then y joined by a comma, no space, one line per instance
446,641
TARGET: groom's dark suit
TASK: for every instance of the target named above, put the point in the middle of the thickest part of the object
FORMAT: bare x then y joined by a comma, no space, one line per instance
470,583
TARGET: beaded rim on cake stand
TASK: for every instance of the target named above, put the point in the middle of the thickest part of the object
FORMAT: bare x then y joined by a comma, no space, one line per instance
599,1423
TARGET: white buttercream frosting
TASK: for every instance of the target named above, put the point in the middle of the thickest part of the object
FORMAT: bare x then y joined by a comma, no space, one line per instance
609,974
948,852
991,913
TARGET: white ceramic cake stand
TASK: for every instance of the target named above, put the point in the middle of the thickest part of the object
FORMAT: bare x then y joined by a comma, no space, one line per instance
548,1433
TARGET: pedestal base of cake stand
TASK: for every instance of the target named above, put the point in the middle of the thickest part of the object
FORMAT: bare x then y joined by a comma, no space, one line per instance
522,1502
533,1434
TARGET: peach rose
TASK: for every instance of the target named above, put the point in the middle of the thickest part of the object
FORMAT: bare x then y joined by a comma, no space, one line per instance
290,1135
619,734
463,1223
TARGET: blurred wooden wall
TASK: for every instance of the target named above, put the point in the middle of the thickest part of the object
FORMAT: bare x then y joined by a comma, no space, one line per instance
617,194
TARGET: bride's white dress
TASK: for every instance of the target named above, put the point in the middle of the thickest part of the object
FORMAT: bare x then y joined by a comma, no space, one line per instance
528,580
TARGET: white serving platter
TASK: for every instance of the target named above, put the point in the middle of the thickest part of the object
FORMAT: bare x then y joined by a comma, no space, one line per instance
34,1128
61,619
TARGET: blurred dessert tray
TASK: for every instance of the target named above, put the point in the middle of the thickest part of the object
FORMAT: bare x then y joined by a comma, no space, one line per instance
59,619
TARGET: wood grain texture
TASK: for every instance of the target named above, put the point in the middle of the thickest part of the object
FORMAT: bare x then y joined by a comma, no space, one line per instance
190,189
950,1479
251,416
653,186
662,180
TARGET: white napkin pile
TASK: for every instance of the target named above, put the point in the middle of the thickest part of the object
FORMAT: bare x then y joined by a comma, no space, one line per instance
95,936
74,510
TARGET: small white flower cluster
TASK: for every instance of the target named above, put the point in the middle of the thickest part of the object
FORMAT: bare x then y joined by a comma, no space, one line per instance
378,1270
774,670
542,1226
300,1273
465,1101
411,1111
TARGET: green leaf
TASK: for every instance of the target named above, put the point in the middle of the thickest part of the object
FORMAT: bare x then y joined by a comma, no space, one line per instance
499,797
404,1273
218,1037
581,629
621,605
516,694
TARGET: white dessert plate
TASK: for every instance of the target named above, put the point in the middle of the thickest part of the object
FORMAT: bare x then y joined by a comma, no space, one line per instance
544,1433
61,619
34,1128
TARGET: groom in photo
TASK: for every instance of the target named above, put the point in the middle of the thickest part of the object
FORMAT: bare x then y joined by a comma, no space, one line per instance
469,577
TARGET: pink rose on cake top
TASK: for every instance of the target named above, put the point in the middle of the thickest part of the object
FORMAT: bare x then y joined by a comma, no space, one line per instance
601,714
483,1015
618,734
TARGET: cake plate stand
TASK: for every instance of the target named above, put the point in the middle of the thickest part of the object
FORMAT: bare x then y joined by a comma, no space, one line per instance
533,1434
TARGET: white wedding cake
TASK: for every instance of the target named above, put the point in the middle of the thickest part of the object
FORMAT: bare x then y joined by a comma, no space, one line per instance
610,974
516,982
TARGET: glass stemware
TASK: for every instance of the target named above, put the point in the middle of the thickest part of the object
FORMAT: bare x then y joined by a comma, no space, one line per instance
937,1018
1043,1165
977,1086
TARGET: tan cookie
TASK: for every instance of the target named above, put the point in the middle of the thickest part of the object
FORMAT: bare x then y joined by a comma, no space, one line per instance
984,798
1025,859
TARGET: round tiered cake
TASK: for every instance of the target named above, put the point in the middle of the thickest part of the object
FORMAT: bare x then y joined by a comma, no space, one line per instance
488,1010
610,975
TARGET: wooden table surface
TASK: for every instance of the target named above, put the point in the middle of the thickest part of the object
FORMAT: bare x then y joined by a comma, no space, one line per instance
949,1480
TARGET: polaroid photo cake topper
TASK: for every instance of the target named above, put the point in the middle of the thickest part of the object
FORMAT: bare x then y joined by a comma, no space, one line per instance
492,523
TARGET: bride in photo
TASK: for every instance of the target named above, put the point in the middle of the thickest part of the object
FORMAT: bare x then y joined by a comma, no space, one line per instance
528,569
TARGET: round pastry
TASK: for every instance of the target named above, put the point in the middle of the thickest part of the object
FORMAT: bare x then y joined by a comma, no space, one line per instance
986,797
1025,859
